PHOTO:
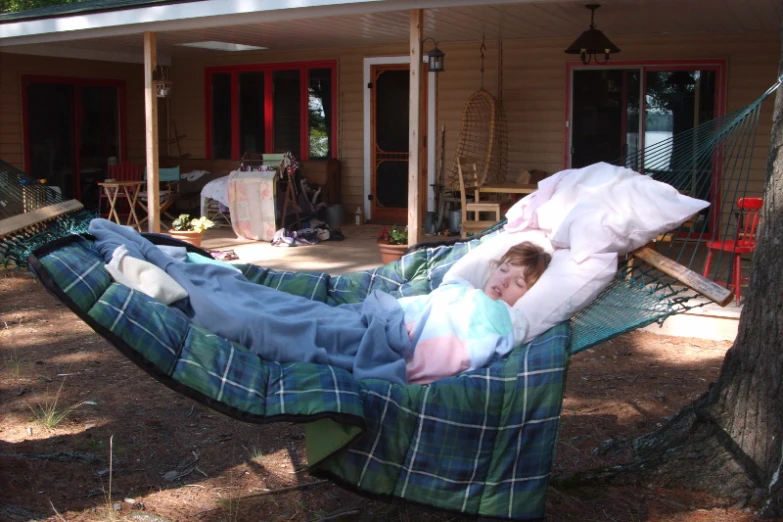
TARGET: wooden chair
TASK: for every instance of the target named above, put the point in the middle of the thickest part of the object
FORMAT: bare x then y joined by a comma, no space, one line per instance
122,171
744,242
471,210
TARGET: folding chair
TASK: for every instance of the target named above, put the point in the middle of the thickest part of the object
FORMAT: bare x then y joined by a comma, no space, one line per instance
169,188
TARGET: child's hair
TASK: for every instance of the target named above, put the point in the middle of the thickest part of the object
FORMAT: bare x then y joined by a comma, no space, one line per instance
528,255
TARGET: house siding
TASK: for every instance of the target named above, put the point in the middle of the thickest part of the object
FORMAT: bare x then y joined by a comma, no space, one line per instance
533,94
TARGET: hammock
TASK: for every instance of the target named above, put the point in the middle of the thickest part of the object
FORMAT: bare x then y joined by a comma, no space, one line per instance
480,443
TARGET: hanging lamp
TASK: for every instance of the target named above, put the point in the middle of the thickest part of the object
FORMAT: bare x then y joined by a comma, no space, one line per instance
434,57
592,42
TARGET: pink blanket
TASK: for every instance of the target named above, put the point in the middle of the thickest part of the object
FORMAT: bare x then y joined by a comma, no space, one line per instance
251,198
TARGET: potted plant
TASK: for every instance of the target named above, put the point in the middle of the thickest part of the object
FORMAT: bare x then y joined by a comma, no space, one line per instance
190,230
392,242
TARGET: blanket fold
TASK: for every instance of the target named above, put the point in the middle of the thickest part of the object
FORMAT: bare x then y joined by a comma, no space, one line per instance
368,339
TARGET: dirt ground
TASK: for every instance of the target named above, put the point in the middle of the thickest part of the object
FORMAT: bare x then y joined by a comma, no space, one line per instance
174,459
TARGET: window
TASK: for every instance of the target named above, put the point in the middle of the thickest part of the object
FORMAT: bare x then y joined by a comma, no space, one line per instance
624,111
271,108
320,107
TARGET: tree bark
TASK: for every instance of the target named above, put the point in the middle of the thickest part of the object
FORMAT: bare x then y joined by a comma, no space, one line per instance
729,441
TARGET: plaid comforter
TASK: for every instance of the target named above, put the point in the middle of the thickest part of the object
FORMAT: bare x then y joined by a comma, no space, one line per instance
480,443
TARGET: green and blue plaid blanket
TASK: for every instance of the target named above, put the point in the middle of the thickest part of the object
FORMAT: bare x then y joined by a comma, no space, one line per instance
479,443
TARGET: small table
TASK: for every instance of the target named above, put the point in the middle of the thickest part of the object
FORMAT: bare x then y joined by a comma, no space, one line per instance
131,189
506,188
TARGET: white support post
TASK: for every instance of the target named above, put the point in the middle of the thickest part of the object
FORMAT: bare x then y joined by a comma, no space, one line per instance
414,125
151,131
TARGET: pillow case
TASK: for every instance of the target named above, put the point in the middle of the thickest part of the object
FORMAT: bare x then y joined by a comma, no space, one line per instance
602,208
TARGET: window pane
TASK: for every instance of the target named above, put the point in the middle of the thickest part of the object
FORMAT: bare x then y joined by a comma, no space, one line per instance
320,108
221,116
677,101
286,111
251,112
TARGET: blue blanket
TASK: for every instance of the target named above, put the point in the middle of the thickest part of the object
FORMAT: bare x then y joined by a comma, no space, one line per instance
368,339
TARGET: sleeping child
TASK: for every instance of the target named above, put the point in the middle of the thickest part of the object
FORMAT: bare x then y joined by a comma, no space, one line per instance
458,327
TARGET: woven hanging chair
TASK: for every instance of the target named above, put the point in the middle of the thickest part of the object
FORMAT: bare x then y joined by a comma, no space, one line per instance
484,136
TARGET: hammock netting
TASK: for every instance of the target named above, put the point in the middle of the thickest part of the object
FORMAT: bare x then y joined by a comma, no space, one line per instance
19,195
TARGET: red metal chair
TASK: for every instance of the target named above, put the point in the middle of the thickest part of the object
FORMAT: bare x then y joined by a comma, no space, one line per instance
743,243
122,171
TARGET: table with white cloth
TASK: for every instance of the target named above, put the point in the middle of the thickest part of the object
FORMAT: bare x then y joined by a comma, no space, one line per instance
216,190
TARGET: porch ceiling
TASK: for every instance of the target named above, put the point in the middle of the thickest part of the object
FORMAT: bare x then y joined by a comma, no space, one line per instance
387,22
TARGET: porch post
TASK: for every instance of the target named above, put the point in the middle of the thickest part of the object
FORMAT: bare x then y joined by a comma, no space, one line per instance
151,131
414,125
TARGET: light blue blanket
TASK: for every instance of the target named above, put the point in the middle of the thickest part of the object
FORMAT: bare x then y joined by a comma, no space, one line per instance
368,338
455,328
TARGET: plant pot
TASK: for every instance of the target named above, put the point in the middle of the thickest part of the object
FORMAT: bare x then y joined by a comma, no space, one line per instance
188,236
390,253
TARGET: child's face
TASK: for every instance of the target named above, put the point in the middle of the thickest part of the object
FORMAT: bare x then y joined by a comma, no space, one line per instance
506,282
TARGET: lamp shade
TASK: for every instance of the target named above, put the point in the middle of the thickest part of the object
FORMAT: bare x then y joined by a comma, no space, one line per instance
592,42
435,59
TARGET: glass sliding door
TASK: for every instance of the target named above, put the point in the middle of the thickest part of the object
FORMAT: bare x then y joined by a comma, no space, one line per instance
73,128
677,101
50,135
98,136
605,121
619,115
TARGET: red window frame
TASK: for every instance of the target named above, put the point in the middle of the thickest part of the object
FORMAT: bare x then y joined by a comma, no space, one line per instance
304,112
27,79
720,66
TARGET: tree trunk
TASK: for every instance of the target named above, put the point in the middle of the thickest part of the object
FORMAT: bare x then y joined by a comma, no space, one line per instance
729,441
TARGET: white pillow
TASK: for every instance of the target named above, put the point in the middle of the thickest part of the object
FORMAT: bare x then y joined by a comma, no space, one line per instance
144,277
603,208
474,267
564,288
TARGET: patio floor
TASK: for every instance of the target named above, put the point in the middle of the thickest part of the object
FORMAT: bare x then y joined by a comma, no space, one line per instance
359,252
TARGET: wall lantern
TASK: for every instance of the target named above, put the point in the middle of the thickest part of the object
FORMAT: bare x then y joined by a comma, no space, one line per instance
434,57
592,42
160,78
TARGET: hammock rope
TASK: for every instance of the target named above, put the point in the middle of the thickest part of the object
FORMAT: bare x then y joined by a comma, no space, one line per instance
713,161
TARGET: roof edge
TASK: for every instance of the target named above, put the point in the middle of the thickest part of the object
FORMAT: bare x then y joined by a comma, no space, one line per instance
87,7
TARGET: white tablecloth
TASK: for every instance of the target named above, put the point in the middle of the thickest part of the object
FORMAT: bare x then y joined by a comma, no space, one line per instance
216,189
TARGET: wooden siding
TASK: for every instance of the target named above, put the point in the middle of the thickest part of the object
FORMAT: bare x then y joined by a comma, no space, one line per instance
533,93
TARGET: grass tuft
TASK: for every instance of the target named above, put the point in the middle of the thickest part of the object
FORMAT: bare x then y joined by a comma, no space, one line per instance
49,414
